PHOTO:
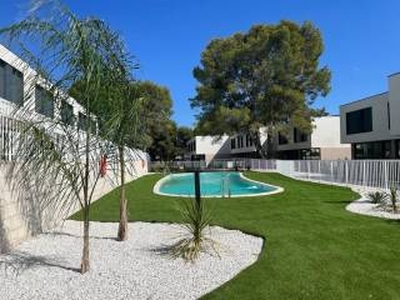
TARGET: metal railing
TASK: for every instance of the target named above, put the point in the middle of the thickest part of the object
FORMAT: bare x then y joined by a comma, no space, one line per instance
368,173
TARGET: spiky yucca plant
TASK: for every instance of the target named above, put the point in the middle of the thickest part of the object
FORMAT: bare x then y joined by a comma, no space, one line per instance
196,217
377,197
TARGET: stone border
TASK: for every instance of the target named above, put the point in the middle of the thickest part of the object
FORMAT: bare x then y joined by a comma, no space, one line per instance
364,207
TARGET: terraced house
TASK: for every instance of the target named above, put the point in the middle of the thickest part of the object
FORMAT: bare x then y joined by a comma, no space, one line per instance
372,124
21,88
322,143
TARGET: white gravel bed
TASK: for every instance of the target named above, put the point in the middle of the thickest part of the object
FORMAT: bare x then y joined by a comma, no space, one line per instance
45,267
364,207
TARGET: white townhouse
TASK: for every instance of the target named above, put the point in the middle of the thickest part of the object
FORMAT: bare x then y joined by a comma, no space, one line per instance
322,143
21,213
21,88
372,125
206,148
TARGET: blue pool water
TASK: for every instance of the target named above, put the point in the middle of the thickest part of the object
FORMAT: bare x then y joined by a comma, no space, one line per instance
212,184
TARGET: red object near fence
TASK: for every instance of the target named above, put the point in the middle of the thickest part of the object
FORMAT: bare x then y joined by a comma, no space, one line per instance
103,165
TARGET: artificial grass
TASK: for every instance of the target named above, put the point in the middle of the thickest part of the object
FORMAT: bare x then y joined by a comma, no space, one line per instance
314,249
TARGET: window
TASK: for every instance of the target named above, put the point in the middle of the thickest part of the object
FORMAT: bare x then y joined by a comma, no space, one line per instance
67,113
310,154
299,136
372,150
388,114
359,121
249,141
82,122
282,139
233,143
240,141
44,103
11,83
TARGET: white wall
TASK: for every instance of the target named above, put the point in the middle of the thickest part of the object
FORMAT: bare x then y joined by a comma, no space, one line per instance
30,80
394,100
23,213
326,133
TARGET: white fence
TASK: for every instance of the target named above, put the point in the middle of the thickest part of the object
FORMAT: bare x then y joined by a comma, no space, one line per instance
9,129
368,173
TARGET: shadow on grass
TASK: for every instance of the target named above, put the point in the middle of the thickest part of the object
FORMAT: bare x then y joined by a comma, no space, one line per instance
342,202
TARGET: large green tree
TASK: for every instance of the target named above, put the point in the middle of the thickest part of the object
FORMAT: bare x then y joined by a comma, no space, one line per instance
268,77
183,136
157,111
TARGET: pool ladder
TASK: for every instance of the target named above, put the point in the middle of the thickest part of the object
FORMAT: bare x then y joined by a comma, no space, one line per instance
225,190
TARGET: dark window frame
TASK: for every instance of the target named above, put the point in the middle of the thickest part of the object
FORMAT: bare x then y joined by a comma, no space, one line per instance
44,101
11,84
359,121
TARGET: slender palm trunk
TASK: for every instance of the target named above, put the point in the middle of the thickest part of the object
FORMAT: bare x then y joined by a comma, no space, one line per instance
123,218
85,264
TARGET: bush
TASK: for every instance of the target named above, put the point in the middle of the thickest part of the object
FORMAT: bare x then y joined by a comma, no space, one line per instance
377,197
195,217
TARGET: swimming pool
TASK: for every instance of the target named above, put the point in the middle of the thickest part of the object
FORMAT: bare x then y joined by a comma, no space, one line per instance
213,184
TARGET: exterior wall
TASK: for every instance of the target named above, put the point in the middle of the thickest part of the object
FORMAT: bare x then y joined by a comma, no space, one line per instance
22,214
247,149
325,136
211,147
380,130
326,133
30,80
22,209
335,153
394,100
383,141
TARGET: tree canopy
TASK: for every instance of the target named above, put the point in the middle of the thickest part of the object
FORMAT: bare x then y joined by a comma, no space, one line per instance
268,77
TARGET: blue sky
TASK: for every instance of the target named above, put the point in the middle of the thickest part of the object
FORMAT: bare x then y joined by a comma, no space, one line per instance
362,38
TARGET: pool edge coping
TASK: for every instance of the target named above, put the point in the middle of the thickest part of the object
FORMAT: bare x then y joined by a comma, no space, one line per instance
156,189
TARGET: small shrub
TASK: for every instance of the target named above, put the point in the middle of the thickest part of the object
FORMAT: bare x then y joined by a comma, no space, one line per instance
195,217
377,197
393,198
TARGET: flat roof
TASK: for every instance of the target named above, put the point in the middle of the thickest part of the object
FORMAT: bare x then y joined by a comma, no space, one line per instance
365,98
394,74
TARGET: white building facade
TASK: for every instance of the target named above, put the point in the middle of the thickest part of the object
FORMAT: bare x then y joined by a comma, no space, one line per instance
206,148
322,143
372,125
21,212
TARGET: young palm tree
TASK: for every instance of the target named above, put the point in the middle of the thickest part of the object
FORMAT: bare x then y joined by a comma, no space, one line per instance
69,50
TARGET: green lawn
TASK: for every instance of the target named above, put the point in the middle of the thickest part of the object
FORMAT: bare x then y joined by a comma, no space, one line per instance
315,249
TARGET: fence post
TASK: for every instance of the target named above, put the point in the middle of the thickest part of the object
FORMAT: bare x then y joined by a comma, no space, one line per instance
364,171
386,176
346,168
331,171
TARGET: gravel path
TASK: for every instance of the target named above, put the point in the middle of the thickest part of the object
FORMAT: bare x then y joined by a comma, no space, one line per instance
364,207
44,267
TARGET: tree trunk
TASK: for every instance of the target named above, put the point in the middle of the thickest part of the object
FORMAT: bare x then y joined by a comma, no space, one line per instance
85,264
123,218
257,143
